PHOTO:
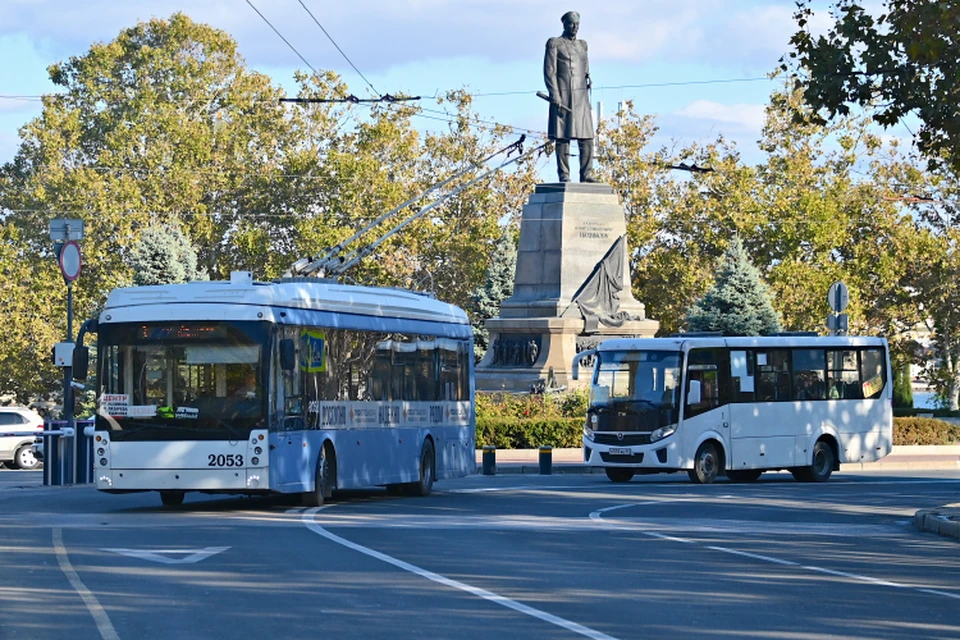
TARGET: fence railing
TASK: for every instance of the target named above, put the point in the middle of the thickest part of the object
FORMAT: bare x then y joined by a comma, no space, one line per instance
67,451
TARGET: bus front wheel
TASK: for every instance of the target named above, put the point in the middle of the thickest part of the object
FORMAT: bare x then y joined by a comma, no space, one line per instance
619,474
706,464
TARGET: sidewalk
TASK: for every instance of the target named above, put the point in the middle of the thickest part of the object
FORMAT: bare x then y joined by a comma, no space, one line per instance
943,520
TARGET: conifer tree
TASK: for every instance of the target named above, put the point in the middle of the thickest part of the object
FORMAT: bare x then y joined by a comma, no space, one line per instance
739,302
497,287
165,255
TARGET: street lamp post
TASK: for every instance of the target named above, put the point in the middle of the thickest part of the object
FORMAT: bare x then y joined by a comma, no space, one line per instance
65,234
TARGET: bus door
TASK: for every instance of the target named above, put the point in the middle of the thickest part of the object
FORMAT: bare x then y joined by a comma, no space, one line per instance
707,367
762,416
289,457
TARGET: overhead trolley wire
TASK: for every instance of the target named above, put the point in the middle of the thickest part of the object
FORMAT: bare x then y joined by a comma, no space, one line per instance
345,57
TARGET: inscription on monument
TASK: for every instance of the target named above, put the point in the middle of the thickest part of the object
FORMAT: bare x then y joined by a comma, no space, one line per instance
594,229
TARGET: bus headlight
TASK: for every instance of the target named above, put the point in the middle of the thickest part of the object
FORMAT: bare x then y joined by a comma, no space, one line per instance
662,432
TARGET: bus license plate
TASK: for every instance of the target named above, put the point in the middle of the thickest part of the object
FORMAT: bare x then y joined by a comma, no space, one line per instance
620,452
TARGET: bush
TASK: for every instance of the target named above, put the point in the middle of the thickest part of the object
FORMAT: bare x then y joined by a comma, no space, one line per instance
908,431
515,433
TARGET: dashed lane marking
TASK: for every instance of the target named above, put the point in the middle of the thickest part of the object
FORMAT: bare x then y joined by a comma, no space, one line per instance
100,617
503,601
597,516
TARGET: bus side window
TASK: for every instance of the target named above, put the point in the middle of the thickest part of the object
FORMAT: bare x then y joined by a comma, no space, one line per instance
843,375
708,367
873,372
742,376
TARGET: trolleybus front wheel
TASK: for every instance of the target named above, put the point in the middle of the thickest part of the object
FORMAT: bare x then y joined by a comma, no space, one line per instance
171,498
619,474
323,483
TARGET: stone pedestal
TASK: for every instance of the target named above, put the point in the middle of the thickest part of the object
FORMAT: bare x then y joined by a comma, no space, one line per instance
566,231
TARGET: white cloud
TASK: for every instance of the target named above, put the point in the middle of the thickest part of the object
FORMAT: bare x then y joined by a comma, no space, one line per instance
745,117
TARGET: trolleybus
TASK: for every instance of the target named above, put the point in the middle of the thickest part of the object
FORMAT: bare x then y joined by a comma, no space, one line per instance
301,386
737,406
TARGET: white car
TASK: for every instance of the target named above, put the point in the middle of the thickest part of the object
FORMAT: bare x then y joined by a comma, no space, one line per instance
17,451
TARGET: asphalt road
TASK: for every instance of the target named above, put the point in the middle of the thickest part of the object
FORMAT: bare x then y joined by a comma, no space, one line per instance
487,557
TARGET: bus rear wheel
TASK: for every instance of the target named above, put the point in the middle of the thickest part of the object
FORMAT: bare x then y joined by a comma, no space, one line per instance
619,474
745,475
172,498
706,464
821,466
424,484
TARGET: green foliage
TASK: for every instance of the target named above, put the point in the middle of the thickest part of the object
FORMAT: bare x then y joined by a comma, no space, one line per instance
901,62
739,303
166,125
569,404
164,256
515,433
902,387
497,287
924,431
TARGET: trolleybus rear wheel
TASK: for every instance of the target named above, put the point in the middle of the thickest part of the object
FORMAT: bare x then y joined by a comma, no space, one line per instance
424,484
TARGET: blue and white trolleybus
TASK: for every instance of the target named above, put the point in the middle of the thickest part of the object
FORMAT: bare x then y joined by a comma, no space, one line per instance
300,386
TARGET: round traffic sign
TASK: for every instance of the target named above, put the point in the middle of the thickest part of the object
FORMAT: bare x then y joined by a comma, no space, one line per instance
70,260
838,297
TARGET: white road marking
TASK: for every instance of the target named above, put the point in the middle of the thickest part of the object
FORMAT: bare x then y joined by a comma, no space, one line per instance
191,556
308,520
597,516
107,632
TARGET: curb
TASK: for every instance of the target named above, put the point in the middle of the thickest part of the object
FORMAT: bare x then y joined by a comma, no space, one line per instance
939,522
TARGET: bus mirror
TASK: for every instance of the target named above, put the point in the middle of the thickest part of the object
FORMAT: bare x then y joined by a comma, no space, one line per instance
81,362
693,395
288,354
601,395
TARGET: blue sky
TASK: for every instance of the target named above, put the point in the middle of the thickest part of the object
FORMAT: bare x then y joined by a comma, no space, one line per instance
427,46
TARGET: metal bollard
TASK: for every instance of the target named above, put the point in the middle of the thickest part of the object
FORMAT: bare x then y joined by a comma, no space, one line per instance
489,460
546,460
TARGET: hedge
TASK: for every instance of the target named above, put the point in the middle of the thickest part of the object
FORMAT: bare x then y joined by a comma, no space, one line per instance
924,431
521,433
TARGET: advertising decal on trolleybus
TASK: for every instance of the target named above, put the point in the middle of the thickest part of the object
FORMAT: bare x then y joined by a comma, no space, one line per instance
290,387
737,406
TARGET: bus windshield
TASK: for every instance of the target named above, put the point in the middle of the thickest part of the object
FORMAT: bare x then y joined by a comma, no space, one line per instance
182,379
638,380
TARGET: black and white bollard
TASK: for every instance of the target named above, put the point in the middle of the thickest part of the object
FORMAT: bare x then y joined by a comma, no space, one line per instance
489,460
546,460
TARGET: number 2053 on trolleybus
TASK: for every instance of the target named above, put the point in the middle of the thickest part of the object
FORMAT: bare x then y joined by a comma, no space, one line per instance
290,387
737,406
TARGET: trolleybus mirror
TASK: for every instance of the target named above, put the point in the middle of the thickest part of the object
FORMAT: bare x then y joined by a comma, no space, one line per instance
81,362
693,395
288,354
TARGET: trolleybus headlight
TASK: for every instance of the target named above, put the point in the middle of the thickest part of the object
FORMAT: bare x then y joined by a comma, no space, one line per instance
103,462
255,461
257,450
662,432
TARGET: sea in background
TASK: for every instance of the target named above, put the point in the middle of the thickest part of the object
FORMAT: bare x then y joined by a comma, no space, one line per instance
923,400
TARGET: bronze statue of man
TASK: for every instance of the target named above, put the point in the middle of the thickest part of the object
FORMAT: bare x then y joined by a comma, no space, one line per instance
566,72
